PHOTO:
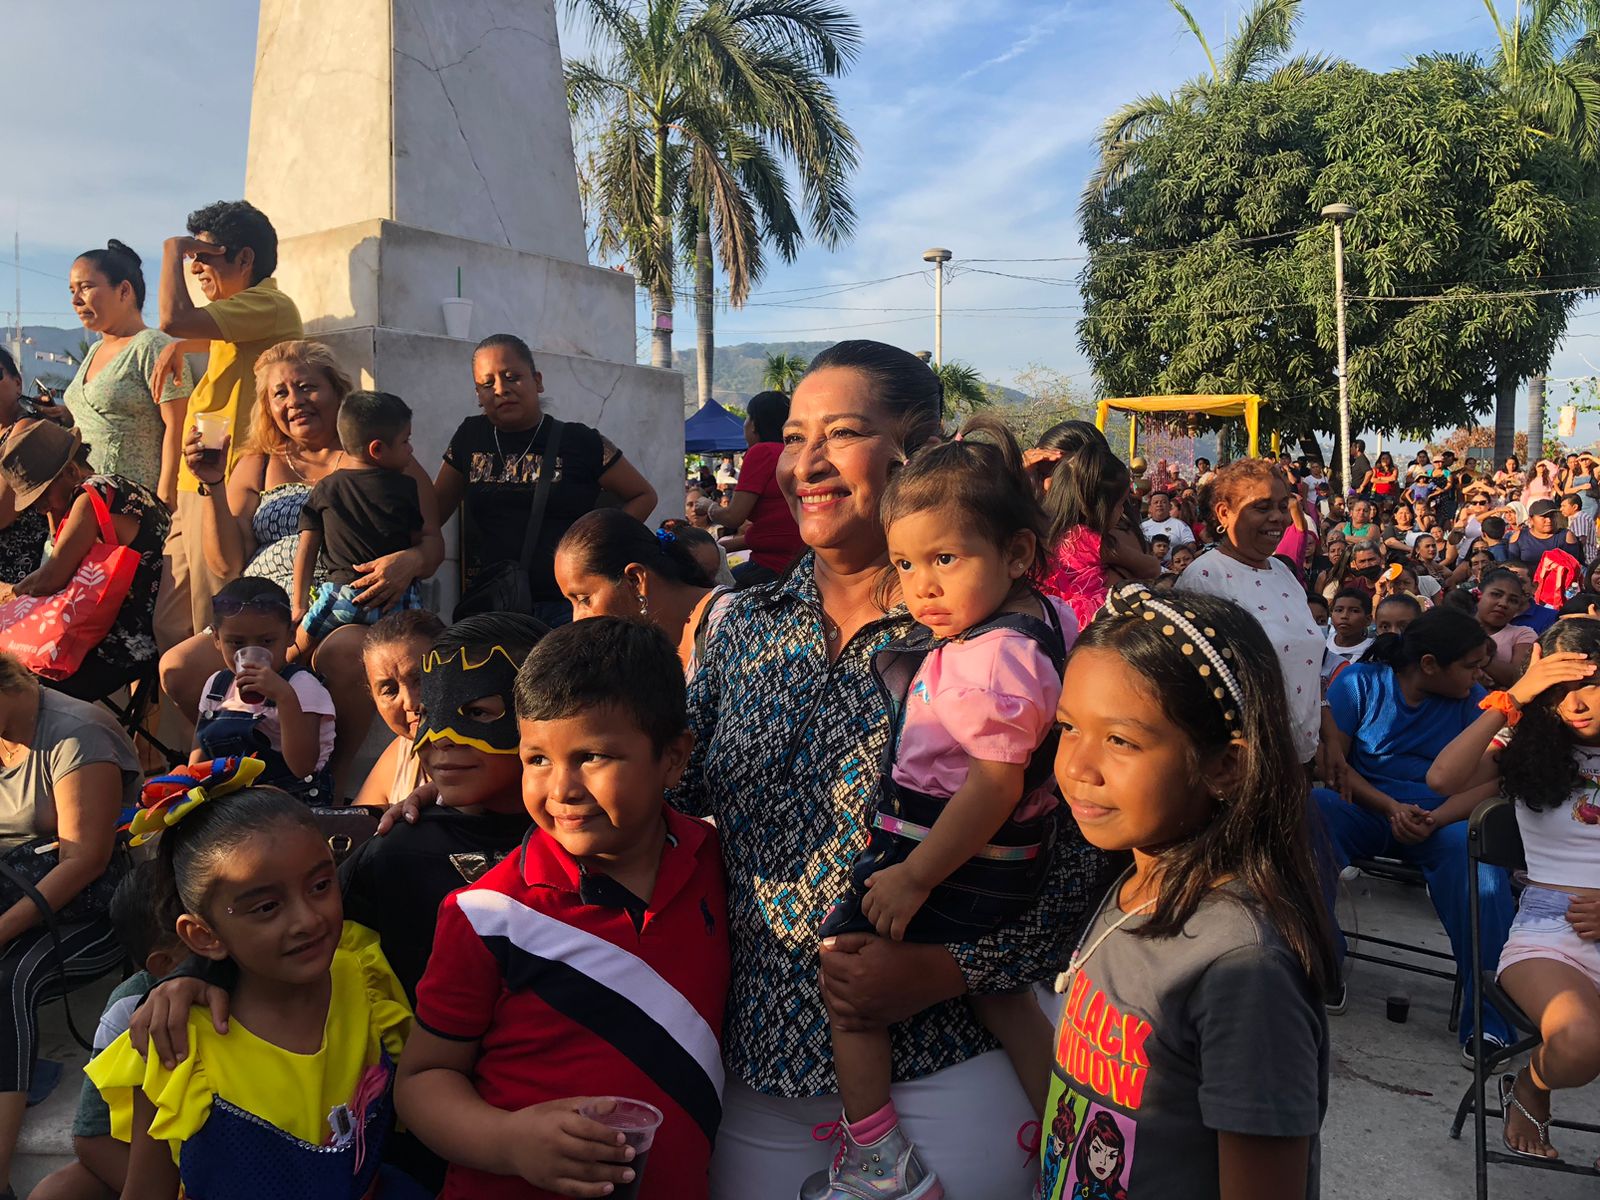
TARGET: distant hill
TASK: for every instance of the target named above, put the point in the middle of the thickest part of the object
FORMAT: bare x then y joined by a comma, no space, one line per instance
740,370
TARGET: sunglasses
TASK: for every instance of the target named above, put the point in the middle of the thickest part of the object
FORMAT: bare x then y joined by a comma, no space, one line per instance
228,606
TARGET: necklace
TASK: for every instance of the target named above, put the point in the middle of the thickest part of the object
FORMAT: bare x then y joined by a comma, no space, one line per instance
506,463
288,458
1082,953
832,628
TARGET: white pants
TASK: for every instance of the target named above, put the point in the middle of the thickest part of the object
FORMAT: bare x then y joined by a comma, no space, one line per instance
964,1120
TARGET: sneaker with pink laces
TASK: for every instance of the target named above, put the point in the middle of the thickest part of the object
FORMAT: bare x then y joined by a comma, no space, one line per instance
887,1169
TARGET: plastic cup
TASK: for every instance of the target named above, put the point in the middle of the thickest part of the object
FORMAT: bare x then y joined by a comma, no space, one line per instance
637,1122
213,427
246,656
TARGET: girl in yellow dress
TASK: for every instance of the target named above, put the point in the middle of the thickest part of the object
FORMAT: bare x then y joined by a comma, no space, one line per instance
295,1099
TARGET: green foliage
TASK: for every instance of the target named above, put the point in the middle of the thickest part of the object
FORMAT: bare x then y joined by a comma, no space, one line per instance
964,390
783,371
699,114
1210,270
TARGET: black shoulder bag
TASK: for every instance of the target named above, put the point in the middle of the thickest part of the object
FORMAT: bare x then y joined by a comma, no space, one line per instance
504,586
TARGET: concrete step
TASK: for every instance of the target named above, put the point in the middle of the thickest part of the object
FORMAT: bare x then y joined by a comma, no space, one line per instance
46,1142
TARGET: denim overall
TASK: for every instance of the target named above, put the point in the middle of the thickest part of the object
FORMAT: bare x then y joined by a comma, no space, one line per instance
1002,881
227,733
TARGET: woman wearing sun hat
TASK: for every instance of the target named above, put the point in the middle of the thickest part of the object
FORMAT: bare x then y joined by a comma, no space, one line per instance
47,470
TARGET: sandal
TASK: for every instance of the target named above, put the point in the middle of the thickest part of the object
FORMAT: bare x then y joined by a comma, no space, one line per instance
1509,1101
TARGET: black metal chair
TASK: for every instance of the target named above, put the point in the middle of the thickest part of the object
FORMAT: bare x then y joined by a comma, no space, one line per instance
1396,871
1493,839
143,703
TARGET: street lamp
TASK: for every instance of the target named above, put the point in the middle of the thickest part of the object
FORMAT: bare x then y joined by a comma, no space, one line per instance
938,256
1339,214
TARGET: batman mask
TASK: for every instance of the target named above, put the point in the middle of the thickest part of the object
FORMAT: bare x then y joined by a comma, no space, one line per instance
453,679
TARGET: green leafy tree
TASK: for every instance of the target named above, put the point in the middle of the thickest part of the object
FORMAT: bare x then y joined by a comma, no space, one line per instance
783,371
700,111
1209,270
1546,72
1258,50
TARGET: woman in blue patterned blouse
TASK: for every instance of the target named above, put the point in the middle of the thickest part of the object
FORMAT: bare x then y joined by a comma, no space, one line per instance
792,729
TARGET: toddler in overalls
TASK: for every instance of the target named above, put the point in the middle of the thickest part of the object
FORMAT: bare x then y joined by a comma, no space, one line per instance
261,706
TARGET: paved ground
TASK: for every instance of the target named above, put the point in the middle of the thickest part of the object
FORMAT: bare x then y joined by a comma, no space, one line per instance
1395,1087
1393,1094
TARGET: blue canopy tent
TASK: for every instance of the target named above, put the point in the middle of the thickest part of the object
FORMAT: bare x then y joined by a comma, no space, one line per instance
713,430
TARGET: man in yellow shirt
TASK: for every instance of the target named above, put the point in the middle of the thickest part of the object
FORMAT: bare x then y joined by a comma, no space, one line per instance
232,251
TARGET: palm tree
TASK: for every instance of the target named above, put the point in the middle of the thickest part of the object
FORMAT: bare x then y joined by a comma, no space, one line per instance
1546,69
782,372
1256,52
964,390
701,108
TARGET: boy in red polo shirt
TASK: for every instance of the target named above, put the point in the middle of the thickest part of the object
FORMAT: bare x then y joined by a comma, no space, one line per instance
592,962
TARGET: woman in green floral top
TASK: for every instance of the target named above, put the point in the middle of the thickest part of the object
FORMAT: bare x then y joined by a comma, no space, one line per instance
129,432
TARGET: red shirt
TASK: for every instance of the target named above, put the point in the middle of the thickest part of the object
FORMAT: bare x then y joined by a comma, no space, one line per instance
773,537
544,967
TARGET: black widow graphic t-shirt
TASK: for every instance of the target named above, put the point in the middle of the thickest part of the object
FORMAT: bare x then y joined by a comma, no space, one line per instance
500,477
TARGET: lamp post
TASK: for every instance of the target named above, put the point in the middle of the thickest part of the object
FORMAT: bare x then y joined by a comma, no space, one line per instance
938,256
1339,214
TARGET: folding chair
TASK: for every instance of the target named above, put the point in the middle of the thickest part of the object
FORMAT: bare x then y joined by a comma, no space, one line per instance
144,701
1494,840
1396,871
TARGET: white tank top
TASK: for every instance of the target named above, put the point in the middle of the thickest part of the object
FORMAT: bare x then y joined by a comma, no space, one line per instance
1562,843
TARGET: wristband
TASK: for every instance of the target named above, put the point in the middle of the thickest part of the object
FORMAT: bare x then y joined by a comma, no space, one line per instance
1505,704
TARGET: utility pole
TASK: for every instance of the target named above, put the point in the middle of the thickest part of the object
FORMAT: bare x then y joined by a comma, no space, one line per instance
16,258
1339,214
938,256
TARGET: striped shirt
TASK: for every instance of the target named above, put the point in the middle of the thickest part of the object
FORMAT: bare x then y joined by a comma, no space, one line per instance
787,760
1581,525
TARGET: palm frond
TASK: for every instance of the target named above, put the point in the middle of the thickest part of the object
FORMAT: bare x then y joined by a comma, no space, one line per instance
1265,33
1199,36
1303,67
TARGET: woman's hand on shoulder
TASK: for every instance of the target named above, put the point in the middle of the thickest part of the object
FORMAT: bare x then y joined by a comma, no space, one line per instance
409,809
161,1023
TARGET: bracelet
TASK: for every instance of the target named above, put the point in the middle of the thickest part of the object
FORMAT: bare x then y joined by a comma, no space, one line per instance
1505,704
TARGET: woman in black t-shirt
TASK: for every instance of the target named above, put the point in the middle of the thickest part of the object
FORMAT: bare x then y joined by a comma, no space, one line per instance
493,466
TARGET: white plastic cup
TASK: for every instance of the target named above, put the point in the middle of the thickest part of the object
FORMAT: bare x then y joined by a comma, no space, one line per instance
213,427
457,317
637,1122
246,656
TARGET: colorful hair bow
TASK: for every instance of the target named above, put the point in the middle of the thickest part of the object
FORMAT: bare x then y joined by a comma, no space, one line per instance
167,799
666,536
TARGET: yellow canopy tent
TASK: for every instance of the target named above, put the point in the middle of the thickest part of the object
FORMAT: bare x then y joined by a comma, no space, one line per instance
1248,407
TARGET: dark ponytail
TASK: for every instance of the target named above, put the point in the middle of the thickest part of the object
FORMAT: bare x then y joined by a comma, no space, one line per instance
1447,635
120,265
606,540
1088,485
192,851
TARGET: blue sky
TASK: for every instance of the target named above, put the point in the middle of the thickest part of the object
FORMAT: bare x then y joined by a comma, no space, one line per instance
975,117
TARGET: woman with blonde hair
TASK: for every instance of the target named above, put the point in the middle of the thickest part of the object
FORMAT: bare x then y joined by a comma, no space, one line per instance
252,521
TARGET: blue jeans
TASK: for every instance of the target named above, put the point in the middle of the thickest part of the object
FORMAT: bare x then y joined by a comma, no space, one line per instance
1357,832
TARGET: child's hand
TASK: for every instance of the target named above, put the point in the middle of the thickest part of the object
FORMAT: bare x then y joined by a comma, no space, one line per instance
1583,914
297,614
161,1023
562,1151
893,897
263,680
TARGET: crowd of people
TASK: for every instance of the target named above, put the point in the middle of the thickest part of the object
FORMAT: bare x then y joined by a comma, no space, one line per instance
975,834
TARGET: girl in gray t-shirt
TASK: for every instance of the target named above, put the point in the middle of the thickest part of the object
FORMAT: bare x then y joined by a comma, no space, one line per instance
1213,947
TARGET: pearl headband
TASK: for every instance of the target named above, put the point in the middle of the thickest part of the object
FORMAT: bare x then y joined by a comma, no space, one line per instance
1198,644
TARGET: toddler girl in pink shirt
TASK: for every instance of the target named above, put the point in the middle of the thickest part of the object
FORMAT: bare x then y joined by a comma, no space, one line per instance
968,815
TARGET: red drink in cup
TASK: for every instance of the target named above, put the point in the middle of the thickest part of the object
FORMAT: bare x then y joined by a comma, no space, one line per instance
258,656
213,429
637,1122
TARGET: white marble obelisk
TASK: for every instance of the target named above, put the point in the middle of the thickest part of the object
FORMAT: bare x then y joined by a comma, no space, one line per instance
395,143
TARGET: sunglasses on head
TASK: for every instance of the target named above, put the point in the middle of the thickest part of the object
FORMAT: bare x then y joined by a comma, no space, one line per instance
228,606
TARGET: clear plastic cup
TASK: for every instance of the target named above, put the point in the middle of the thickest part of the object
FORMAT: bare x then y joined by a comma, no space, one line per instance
251,655
213,427
637,1122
